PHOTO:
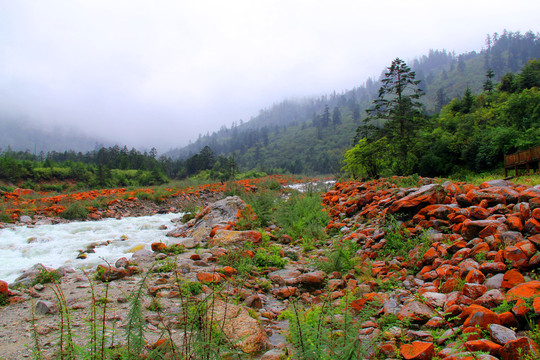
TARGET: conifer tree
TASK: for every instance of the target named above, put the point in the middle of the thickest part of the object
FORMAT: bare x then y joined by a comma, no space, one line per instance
400,111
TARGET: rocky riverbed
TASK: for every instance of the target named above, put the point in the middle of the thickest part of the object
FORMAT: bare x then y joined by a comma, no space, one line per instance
465,287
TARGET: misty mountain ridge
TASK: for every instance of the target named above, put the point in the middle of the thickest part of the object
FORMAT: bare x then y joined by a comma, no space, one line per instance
285,136
21,134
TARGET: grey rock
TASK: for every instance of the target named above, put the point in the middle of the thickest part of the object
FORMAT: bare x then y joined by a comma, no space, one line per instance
25,219
46,307
501,334
494,282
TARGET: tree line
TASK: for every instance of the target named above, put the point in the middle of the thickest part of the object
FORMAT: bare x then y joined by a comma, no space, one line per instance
471,133
110,167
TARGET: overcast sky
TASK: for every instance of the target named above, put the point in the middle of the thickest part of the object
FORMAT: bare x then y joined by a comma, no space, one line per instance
158,73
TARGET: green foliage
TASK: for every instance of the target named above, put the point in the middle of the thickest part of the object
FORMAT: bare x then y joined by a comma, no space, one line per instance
4,300
328,332
340,257
75,211
365,158
239,260
174,249
44,276
269,258
164,266
302,216
400,242
189,288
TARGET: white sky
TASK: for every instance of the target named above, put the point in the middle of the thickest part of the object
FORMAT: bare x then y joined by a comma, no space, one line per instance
158,73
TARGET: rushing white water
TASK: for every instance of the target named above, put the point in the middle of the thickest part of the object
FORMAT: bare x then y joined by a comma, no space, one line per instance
303,187
57,245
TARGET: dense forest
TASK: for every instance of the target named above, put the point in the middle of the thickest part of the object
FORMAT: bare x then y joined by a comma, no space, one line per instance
310,135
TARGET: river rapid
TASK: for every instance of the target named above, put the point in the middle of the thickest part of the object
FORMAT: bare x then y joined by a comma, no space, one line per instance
58,245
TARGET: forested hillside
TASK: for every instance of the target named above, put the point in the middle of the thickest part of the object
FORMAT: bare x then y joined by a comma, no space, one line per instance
310,135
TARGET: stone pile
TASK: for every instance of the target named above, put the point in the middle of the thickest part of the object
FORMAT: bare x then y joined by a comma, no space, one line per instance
477,271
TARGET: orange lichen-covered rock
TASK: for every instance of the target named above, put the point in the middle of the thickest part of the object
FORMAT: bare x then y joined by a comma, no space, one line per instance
521,348
4,289
484,346
205,277
426,195
158,246
525,290
472,228
418,350
512,278
416,311
478,315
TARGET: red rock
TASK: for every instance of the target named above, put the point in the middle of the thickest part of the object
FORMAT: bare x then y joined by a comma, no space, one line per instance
367,299
4,289
512,278
536,305
284,292
416,311
430,255
471,228
195,257
478,315
493,267
490,299
312,279
479,213
528,194
449,285
523,210
532,226
516,257
475,277
520,349
447,271
508,319
418,350
527,247
484,345
228,271
524,291
480,248
536,214
158,246
388,348
514,222
206,278
473,291
535,239
426,195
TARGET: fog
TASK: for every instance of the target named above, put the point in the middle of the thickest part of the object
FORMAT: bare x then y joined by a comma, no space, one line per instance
159,73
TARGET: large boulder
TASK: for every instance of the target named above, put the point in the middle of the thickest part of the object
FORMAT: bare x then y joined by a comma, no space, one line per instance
426,195
221,212
243,331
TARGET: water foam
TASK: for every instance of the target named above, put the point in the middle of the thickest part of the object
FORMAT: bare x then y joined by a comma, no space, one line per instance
58,245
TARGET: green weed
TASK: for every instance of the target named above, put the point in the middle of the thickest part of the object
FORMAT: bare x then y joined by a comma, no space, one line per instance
75,211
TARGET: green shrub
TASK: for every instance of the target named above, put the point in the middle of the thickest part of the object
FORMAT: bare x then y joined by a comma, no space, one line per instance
340,258
75,211
269,258
175,249
400,242
44,277
302,216
4,300
164,266
189,288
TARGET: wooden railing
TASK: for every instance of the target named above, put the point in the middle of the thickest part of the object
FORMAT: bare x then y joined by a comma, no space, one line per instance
522,157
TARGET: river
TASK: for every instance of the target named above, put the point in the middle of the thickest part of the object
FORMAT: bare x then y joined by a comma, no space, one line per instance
56,245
